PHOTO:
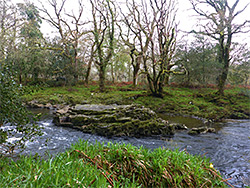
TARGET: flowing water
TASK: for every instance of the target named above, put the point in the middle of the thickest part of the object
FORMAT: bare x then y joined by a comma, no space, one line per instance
228,148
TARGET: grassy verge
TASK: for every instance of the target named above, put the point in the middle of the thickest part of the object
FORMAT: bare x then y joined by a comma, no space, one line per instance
113,165
202,102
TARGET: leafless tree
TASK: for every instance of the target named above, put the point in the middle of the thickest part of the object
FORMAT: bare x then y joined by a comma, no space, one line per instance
104,18
130,42
221,26
70,28
154,38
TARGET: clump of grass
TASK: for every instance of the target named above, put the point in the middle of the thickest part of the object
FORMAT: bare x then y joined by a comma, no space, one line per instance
111,165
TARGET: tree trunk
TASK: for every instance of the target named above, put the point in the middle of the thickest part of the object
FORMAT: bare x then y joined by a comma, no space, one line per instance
88,72
89,64
112,73
135,65
135,78
224,58
135,74
75,70
223,77
161,85
102,78
167,79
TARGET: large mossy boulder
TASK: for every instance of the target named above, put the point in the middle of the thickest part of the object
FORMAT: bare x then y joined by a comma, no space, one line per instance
113,120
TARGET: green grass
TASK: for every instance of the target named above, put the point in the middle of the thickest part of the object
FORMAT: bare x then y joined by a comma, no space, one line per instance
202,102
117,165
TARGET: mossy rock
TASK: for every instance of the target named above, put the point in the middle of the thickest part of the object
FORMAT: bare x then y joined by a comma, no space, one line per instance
201,130
132,128
114,120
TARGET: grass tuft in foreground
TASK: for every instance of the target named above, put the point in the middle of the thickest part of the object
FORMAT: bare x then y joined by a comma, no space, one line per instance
111,165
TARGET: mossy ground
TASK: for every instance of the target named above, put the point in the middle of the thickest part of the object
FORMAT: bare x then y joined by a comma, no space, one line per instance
113,165
201,102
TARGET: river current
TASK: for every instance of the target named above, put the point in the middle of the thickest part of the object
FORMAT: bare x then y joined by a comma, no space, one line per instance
228,148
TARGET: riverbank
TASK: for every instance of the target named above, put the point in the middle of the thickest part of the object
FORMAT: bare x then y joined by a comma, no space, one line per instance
116,95
111,165
200,102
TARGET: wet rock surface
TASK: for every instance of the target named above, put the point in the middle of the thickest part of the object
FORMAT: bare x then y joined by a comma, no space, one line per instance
201,130
113,120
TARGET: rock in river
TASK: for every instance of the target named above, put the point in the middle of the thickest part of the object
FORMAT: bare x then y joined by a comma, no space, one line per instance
113,120
201,130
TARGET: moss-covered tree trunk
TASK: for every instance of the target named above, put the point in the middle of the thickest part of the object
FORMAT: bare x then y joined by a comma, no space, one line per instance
104,52
88,72
102,78
135,76
224,58
136,68
90,64
223,76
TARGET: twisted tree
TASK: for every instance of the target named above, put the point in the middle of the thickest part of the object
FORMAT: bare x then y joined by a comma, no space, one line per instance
154,39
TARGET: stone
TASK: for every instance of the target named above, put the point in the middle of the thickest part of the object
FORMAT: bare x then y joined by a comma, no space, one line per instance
201,130
178,126
113,120
48,106
63,110
34,104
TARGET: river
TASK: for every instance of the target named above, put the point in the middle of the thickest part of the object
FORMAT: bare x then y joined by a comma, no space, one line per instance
228,148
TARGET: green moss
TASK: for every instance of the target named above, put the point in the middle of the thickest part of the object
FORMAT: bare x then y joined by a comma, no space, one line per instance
199,102
108,118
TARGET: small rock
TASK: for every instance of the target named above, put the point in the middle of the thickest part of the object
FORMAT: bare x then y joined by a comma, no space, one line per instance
62,110
48,105
38,106
178,126
201,130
